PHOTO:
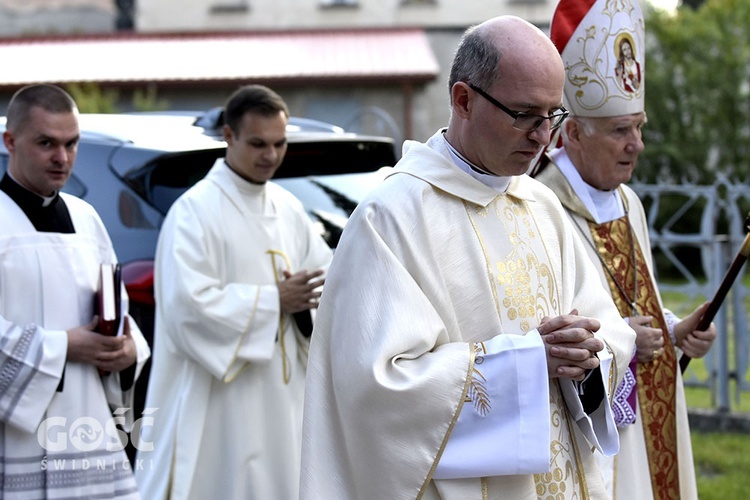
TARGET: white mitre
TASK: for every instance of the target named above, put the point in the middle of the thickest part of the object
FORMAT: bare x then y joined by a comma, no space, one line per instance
602,44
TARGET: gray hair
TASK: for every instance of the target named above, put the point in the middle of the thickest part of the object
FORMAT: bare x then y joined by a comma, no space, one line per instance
588,126
476,60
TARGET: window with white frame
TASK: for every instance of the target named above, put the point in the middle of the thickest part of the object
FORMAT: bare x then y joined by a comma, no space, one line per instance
339,3
230,7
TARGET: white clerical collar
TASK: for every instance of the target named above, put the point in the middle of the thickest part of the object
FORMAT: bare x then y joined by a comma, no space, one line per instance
604,206
253,195
46,200
244,184
497,182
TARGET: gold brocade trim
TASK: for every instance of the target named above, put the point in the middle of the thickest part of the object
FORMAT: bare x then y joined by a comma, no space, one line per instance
525,290
522,281
451,426
656,379
282,327
567,472
490,276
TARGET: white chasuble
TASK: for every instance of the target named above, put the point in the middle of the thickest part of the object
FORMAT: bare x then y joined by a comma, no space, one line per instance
57,439
432,271
228,375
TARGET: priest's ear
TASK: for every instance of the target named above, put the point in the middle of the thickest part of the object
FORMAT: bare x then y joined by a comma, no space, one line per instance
228,134
9,141
461,100
572,131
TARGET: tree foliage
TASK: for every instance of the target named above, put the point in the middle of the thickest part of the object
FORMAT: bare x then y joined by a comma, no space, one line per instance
90,98
698,89
148,99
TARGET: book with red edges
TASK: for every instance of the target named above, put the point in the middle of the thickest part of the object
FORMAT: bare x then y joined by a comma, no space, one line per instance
108,299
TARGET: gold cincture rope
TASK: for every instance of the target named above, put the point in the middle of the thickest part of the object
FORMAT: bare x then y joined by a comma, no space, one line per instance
284,356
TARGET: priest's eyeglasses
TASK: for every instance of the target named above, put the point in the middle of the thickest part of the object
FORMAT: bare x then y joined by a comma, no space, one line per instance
521,120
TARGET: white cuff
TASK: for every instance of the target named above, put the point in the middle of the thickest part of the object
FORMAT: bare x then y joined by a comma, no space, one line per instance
504,428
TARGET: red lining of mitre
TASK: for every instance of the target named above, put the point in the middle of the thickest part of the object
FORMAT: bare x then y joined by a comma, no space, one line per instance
568,15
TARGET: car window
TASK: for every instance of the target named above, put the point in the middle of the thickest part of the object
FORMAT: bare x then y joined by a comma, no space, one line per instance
75,186
336,157
161,181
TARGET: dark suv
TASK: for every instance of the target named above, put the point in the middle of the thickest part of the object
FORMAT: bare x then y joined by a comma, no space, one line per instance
132,167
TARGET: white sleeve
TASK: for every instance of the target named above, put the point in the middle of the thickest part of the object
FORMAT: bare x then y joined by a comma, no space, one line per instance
599,427
31,364
504,425
672,319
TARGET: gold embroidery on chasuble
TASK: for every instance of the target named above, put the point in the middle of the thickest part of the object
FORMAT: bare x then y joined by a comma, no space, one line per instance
525,291
477,394
655,380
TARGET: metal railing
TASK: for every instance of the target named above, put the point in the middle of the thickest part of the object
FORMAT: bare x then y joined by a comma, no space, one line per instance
693,264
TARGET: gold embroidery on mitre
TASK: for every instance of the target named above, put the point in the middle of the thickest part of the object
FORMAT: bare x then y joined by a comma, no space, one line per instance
600,70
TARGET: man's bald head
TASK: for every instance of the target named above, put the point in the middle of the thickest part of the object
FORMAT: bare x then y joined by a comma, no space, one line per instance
504,43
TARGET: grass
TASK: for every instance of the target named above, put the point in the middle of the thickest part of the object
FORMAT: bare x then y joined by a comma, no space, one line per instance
722,465
702,397
722,460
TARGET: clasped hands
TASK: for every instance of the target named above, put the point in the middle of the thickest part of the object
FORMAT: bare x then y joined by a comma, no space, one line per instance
108,353
570,345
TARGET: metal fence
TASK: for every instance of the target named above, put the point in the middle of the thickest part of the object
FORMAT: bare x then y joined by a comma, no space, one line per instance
691,265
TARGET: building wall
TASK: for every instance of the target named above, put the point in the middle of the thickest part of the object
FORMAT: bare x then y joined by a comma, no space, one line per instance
443,20
159,15
391,109
45,17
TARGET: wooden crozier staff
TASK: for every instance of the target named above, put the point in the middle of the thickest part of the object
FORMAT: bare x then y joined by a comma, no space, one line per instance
721,293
